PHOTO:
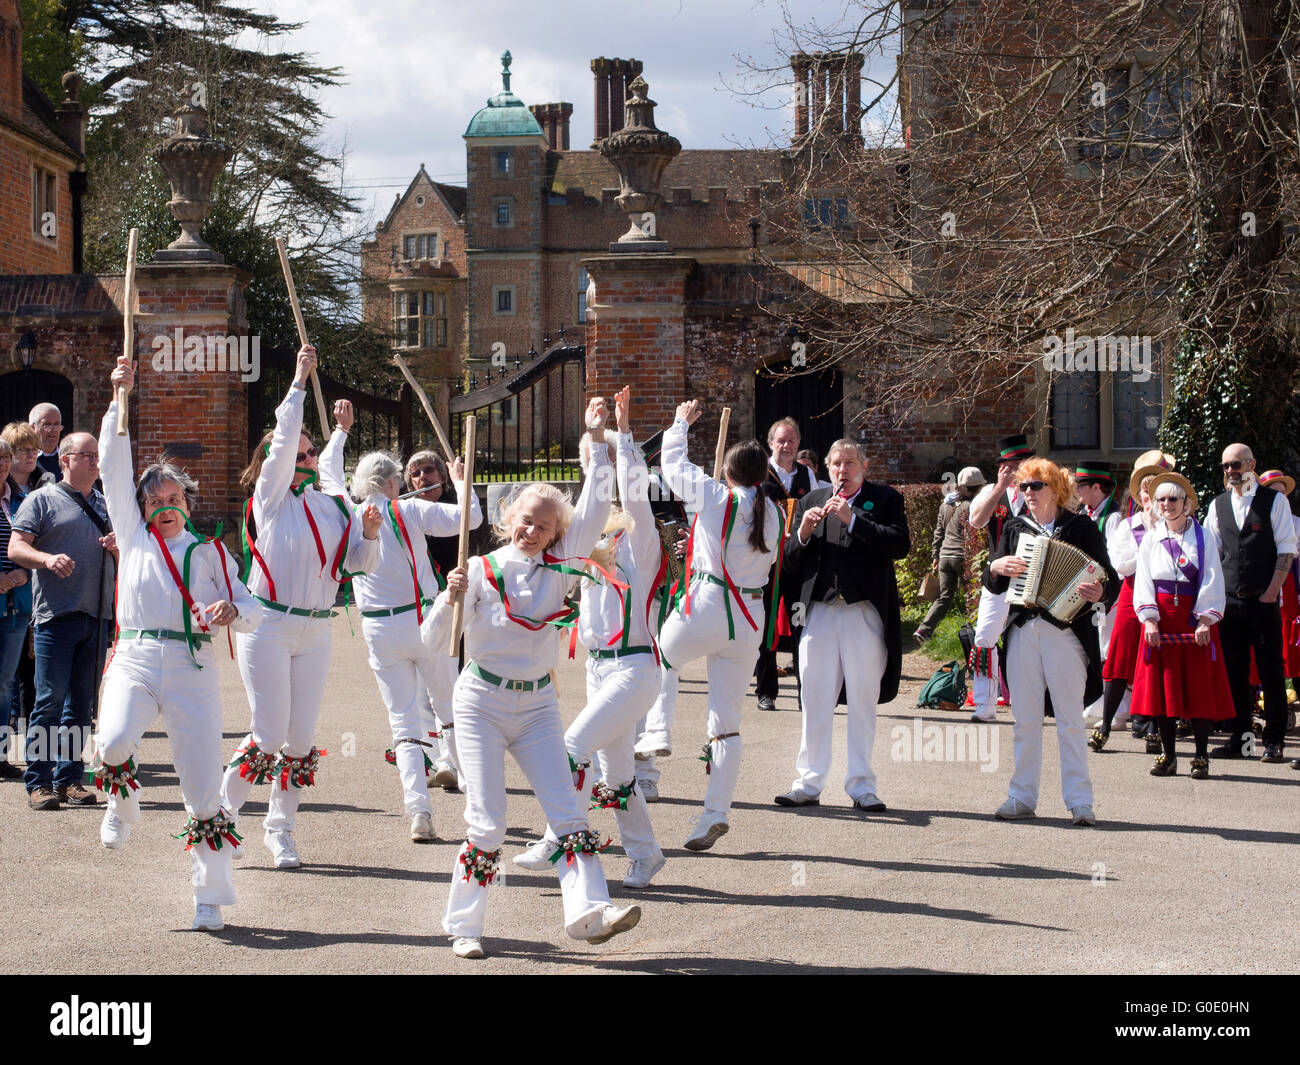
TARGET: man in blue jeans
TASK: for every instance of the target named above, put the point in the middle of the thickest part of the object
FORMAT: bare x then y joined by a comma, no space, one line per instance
61,534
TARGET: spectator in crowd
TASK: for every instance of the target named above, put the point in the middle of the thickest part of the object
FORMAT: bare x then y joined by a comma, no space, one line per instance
15,610
46,420
26,476
61,534
949,553
808,457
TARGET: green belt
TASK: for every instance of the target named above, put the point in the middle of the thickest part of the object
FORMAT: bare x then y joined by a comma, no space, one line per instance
718,580
297,611
616,652
396,610
509,685
162,634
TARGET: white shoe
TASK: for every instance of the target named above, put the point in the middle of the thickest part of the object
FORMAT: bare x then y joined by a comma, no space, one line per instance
642,870
654,744
649,790
444,778
708,830
113,831
1092,720
1083,815
538,856
1120,721
207,918
614,921
466,947
987,715
422,828
280,844
1013,810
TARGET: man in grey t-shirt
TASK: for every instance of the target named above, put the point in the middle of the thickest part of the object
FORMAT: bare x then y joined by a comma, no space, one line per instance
70,555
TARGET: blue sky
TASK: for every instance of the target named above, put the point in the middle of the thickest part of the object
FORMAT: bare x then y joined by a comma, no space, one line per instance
415,72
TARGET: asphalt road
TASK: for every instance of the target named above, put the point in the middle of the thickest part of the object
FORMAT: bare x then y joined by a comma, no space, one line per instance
1179,876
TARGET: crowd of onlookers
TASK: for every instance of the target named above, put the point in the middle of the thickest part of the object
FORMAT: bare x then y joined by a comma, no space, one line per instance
57,574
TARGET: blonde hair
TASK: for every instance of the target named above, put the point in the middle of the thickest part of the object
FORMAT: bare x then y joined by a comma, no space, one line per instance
1041,469
549,495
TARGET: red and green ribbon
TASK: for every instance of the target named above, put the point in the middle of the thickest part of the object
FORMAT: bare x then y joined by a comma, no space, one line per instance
255,765
575,843
212,830
481,865
300,772
115,779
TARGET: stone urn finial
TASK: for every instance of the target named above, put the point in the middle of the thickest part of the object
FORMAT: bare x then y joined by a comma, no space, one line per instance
191,160
641,153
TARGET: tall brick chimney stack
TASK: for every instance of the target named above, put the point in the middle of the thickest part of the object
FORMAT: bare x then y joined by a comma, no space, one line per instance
611,80
828,95
554,120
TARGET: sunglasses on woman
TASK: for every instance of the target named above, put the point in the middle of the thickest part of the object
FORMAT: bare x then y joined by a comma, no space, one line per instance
310,453
1032,486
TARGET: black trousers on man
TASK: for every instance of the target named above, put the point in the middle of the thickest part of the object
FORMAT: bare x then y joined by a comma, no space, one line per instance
1247,624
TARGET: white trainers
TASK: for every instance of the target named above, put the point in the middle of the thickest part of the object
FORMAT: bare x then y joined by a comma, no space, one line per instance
280,844
422,828
642,870
113,831
614,921
987,715
649,790
467,947
538,856
207,918
1013,810
708,830
445,778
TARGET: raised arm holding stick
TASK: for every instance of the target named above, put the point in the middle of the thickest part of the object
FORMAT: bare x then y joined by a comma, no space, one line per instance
128,325
302,333
462,554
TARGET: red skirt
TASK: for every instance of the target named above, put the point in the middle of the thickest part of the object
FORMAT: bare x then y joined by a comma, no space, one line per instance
1181,679
1290,638
1125,638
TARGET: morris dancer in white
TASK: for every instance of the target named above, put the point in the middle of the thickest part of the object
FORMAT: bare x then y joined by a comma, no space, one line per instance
393,597
505,701
622,666
173,588
303,543
736,538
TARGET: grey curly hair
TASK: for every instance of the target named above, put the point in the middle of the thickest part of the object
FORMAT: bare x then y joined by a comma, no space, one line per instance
160,473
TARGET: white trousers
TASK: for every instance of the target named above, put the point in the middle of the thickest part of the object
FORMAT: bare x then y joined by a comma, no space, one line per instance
283,663
148,677
1041,657
446,668
657,724
990,620
618,692
404,670
730,665
841,644
1105,624
489,723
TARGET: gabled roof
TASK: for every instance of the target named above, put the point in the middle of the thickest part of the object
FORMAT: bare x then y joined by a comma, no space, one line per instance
41,122
454,197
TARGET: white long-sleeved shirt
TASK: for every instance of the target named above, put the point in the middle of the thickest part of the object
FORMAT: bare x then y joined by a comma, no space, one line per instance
283,535
1284,530
329,466
147,596
1015,502
748,568
389,584
1155,563
1122,543
492,640
636,562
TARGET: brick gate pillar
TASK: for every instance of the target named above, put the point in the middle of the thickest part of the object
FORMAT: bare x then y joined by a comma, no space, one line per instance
636,334
195,363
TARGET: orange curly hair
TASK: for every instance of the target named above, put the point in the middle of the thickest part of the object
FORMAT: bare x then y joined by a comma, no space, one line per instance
1041,469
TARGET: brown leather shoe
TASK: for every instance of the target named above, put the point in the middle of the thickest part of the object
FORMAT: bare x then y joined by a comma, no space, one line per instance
42,799
76,795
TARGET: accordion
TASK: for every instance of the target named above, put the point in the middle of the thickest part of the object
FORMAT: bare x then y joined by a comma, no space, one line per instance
1052,576
669,533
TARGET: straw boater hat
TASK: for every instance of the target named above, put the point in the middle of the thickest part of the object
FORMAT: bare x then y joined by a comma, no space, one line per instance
1149,464
1270,478
1169,477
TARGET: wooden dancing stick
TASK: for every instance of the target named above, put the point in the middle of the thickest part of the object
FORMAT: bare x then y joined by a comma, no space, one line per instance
723,423
462,553
302,335
428,407
128,324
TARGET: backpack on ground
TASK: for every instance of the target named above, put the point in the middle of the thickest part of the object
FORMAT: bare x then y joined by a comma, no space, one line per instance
946,688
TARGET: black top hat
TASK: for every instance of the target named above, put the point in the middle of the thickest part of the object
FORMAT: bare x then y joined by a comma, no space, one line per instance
1095,470
1014,448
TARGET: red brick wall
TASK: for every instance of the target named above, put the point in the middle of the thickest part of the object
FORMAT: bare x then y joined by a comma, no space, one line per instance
21,251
